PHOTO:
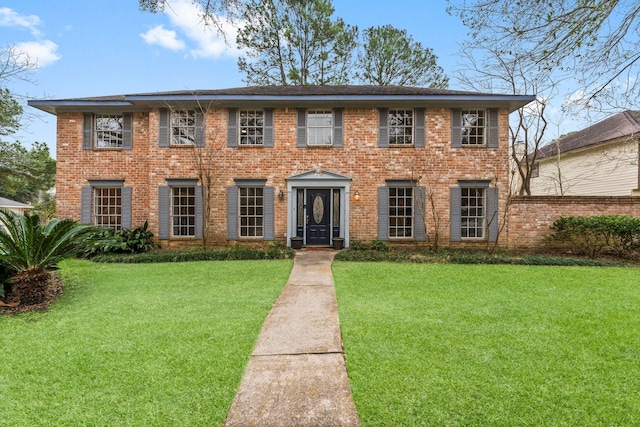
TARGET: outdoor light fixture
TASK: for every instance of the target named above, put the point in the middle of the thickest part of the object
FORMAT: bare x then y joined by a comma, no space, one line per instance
280,194
356,195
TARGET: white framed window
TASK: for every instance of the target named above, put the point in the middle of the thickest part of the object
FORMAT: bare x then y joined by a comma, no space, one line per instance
108,130
251,211
107,207
251,126
319,127
183,127
183,211
474,123
473,212
400,126
400,212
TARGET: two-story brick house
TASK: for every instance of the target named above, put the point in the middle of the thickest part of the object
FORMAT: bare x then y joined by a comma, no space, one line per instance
319,162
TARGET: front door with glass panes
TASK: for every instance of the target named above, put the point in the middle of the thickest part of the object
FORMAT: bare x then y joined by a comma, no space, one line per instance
318,215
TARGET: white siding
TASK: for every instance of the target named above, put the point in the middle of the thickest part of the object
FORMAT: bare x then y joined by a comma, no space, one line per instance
610,170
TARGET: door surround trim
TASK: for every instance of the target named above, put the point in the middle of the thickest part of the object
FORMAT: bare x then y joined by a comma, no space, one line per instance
318,178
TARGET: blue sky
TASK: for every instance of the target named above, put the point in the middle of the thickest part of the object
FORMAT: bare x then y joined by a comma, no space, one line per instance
109,47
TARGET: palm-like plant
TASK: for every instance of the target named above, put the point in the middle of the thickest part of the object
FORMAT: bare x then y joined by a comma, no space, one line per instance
31,249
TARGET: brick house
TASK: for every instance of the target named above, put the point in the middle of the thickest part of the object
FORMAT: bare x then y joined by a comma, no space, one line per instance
399,164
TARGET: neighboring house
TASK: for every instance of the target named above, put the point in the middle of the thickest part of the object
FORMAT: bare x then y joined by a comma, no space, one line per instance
12,205
601,160
397,164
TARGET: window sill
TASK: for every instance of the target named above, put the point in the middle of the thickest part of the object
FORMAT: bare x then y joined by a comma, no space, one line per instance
181,145
108,149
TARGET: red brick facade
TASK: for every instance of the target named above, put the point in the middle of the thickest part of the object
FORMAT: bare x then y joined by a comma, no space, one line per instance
437,166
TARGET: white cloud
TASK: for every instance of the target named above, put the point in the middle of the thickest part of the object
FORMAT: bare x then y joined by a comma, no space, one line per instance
165,38
41,52
187,17
10,18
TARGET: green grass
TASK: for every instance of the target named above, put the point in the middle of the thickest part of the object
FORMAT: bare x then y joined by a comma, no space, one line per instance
137,345
491,345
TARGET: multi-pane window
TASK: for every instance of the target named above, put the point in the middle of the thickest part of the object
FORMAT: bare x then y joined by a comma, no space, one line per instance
319,127
183,127
183,211
473,212
109,130
251,206
251,127
400,127
107,207
473,127
400,212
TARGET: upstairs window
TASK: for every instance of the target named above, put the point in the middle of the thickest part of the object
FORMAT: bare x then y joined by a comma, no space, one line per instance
319,127
109,130
183,127
400,127
473,127
251,127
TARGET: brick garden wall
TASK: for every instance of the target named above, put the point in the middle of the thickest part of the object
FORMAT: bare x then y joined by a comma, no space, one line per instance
530,217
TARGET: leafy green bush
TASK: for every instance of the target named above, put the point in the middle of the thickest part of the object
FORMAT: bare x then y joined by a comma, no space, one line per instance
593,235
123,241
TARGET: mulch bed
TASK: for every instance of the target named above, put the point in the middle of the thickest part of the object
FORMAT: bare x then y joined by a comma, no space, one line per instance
53,291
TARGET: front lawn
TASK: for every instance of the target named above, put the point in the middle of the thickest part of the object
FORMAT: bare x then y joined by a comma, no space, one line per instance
480,345
137,345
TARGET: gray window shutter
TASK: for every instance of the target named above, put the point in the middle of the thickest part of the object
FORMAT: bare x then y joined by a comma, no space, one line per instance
163,127
493,138
85,205
268,128
419,214
455,234
492,213
338,138
126,207
383,127
164,203
268,200
232,213
127,131
200,130
419,137
456,128
199,212
232,127
383,213
301,139
87,131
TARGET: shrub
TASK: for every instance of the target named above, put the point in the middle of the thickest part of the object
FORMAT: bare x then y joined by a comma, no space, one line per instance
233,253
593,235
123,241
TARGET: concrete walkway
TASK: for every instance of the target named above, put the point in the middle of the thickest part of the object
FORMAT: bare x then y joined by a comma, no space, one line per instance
297,374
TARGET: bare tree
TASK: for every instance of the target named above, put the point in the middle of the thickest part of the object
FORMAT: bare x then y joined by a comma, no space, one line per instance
499,72
594,41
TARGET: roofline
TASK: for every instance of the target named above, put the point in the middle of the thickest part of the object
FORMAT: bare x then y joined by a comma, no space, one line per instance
143,101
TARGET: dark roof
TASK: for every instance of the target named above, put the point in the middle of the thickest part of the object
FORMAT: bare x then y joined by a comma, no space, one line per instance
290,96
620,125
